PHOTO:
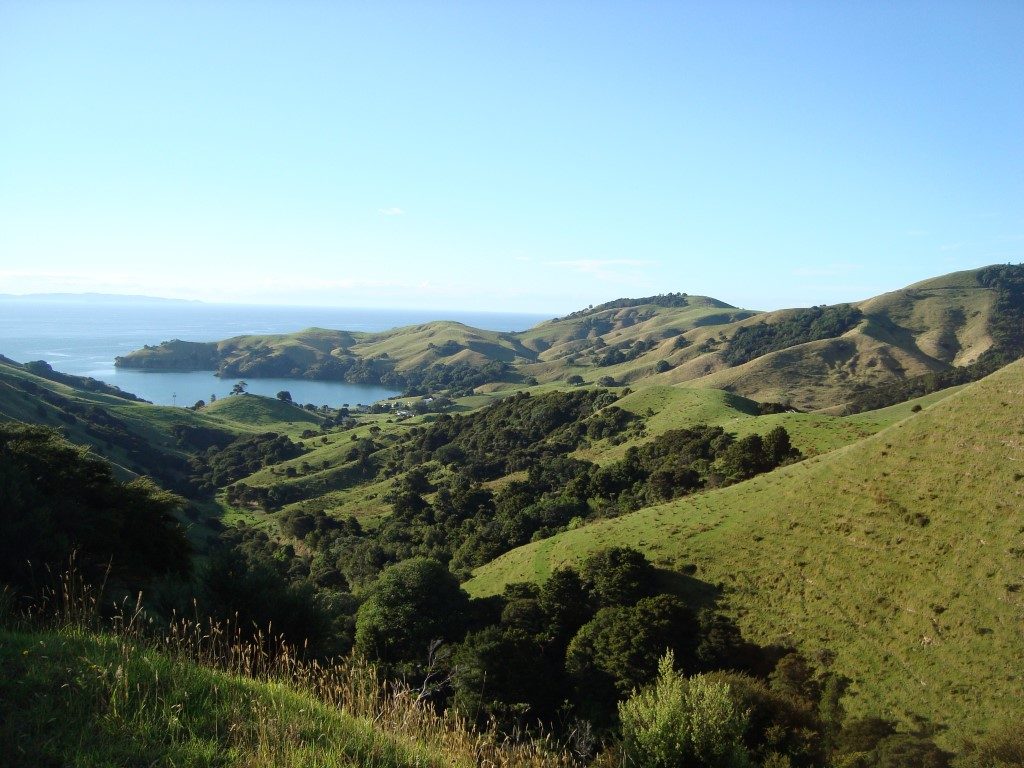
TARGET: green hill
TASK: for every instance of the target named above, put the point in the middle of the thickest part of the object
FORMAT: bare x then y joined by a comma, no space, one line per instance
813,358
257,411
902,555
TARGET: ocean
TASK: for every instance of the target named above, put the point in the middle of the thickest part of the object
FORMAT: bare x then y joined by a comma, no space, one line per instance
83,338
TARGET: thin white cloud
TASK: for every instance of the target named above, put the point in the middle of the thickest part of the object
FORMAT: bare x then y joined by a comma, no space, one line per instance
393,211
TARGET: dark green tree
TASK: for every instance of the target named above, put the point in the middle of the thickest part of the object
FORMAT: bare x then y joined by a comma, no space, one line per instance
57,499
502,675
412,604
618,576
618,650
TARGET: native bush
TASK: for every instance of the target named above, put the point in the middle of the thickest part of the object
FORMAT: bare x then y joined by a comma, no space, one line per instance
679,721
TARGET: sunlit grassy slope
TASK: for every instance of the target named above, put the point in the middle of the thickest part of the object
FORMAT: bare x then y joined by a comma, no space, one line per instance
677,407
254,411
70,698
923,327
903,554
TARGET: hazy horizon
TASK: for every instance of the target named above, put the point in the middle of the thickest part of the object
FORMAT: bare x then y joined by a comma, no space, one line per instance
98,297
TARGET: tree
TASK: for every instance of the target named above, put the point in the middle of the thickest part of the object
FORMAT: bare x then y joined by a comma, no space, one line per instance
58,499
744,458
284,396
503,675
239,388
780,724
618,649
412,604
566,606
574,380
618,576
679,721
777,447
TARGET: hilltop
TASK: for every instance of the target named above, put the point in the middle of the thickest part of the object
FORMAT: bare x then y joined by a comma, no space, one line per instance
811,358
900,554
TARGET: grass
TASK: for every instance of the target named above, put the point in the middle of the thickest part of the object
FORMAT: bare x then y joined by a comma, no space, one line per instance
902,554
248,411
73,694
675,407
92,700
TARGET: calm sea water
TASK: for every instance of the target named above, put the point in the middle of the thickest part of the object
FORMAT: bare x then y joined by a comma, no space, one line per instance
83,338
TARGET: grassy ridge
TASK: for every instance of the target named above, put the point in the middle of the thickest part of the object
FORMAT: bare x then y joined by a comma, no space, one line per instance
927,327
902,554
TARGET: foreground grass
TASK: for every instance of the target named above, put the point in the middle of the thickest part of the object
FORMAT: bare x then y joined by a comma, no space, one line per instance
72,697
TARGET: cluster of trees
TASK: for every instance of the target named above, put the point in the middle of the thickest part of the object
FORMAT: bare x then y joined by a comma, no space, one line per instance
804,325
624,353
459,378
60,501
222,463
450,516
605,651
509,435
661,300
682,461
569,648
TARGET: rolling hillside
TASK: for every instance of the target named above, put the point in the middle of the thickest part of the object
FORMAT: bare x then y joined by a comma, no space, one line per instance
902,555
812,358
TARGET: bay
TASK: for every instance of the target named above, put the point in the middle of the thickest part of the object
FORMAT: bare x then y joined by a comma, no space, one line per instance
83,337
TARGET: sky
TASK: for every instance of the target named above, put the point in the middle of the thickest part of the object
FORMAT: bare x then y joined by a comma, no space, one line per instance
512,156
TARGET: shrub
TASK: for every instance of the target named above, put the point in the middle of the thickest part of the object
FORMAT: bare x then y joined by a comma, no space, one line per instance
679,721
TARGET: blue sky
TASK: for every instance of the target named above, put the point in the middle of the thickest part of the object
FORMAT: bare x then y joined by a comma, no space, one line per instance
519,156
